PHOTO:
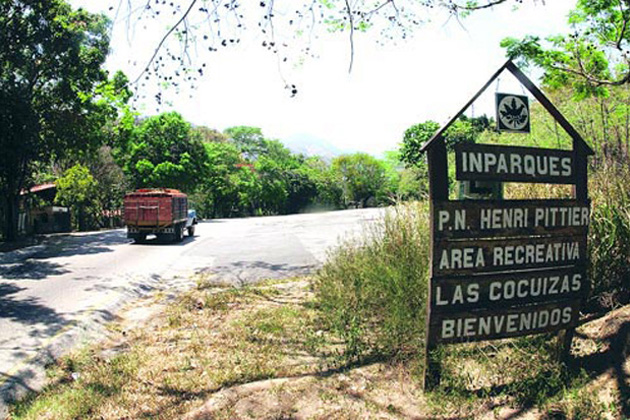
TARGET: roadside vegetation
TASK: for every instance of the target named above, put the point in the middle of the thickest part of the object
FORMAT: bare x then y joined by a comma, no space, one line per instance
372,290
276,350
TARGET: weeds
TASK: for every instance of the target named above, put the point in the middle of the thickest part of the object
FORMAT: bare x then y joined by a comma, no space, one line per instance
577,402
372,291
81,383
215,353
609,239
523,373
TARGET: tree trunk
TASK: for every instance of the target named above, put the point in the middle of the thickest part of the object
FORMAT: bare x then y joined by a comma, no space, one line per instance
12,210
81,218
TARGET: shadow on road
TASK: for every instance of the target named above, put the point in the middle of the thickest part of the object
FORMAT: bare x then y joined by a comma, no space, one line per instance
166,242
28,311
32,265
14,385
30,270
69,245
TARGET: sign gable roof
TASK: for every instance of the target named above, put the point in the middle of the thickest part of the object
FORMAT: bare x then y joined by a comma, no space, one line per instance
578,141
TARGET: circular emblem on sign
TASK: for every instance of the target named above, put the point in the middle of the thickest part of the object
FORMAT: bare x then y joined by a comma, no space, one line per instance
513,113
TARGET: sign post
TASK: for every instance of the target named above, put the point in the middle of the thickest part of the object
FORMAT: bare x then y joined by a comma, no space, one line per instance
506,268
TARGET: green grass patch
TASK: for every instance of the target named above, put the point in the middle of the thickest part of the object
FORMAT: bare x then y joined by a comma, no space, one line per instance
372,291
80,383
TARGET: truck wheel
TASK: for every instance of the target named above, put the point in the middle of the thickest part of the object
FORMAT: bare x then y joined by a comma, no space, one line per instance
191,231
140,238
179,233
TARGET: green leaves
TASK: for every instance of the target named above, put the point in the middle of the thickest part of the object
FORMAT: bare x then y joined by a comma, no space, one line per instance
360,175
590,58
50,69
464,130
76,186
163,152
78,190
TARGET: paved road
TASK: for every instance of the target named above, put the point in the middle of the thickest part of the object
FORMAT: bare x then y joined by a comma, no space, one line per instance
55,294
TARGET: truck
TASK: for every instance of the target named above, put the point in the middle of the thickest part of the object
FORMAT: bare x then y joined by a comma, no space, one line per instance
162,212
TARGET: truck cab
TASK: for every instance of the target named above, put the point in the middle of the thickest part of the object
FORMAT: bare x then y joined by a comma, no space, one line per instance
191,221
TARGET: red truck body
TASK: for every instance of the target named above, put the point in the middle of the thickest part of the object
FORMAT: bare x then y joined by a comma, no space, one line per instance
162,212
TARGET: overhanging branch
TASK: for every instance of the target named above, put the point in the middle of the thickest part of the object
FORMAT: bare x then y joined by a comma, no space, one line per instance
164,38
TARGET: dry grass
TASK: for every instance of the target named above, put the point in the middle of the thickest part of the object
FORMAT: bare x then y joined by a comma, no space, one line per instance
208,340
261,352
255,352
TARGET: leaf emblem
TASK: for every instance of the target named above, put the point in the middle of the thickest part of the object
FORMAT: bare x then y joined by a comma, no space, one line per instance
513,112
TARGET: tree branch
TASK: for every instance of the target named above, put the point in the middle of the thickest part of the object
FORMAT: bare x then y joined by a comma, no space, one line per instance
623,28
599,82
170,31
488,5
351,35
379,7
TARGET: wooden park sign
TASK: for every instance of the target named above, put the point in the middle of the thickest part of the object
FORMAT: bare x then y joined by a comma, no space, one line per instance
506,268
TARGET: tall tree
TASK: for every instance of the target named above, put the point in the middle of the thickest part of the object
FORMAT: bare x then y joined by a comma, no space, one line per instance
329,193
51,61
164,152
464,130
286,186
592,64
111,185
361,177
218,195
78,190
249,140
209,135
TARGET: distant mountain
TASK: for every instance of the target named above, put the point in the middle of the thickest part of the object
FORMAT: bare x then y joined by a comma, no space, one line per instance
310,145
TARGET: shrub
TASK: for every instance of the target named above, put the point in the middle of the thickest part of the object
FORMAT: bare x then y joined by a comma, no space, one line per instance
372,291
609,236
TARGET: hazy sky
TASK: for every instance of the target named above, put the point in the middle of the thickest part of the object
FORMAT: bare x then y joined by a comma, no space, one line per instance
390,88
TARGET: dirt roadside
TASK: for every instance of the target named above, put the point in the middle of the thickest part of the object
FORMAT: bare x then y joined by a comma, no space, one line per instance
261,352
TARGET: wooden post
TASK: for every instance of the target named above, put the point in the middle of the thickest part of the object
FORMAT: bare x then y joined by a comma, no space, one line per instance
438,191
580,193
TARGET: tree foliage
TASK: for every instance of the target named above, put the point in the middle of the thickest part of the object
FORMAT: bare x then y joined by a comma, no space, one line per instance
220,192
413,140
209,135
51,61
78,190
464,130
594,56
249,140
163,152
361,177
111,185
329,192
253,175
